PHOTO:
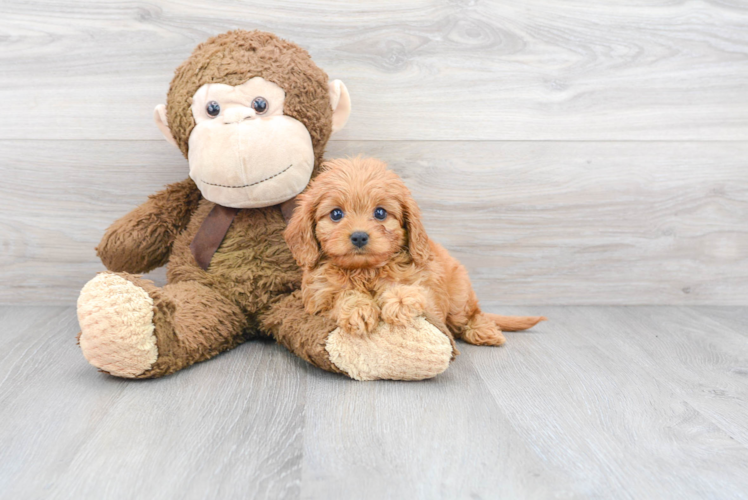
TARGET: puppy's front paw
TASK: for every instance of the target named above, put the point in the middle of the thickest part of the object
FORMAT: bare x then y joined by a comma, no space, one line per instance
363,319
400,304
357,313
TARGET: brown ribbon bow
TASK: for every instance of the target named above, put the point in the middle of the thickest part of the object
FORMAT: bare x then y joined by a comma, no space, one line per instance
215,226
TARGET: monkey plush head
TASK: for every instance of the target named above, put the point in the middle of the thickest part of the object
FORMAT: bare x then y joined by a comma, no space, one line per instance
252,113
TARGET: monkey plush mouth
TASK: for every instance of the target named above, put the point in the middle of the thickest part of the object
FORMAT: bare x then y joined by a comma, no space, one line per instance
248,185
261,163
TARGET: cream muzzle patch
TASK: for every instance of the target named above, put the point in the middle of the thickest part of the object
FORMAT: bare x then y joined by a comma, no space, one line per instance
233,150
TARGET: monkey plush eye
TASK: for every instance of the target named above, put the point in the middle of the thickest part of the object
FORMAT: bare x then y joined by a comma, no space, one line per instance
213,108
380,213
336,214
260,105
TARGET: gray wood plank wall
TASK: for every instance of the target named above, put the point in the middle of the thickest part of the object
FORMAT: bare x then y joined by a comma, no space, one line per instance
567,152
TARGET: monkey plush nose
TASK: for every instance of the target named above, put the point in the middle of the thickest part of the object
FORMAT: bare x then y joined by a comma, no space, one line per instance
237,114
360,239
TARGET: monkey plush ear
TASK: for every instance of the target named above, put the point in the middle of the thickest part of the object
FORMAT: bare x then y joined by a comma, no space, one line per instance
159,116
341,104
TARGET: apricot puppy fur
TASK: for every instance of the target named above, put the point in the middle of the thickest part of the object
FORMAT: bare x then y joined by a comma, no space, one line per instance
358,236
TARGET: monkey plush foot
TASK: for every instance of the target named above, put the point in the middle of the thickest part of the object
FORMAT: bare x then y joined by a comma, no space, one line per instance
117,331
417,351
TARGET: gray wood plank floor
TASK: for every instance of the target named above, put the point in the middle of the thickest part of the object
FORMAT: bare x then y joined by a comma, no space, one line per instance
599,402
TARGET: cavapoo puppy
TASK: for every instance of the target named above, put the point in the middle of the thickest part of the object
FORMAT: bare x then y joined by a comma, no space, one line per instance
357,235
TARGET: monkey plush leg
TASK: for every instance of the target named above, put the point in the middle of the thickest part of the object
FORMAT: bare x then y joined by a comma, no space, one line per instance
131,328
418,351
300,332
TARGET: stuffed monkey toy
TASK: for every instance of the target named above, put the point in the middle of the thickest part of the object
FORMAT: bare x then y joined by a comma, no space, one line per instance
252,114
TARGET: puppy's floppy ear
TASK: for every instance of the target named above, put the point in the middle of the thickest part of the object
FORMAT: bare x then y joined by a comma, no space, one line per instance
418,240
300,232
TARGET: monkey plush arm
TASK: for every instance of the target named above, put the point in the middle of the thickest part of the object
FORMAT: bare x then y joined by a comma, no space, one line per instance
141,240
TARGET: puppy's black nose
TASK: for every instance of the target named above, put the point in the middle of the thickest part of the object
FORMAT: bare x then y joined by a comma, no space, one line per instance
360,239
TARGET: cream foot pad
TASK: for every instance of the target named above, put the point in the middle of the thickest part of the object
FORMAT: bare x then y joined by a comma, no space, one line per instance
116,319
415,352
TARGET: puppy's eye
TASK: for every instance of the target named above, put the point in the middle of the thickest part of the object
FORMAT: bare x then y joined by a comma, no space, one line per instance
260,105
336,214
213,108
380,213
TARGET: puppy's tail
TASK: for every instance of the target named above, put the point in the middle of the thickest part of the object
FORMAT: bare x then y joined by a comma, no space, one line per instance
515,323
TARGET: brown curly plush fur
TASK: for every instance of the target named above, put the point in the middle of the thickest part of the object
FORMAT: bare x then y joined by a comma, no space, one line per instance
237,56
251,286
398,274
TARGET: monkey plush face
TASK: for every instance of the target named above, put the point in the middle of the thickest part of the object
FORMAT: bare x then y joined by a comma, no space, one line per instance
252,113
244,152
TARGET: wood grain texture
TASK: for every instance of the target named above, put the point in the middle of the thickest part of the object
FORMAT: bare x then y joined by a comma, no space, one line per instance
423,70
630,379
598,402
443,438
567,153
71,432
708,371
534,222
